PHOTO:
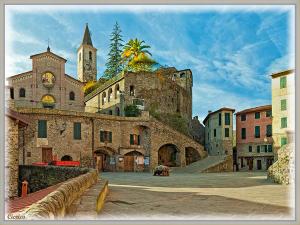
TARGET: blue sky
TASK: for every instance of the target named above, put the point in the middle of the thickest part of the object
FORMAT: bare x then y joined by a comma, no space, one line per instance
231,50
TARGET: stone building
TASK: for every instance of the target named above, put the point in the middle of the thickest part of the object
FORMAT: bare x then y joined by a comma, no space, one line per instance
46,85
254,138
112,143
165,90
283,108
197,130
15,126
219,131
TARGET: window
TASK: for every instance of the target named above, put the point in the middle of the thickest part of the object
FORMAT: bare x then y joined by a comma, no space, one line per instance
269,131
283,141
103,98
109,95
22,93
77,131
227,118
11,91
250,148
257,115
243,133
117,91
226,132
42,129
131,90
182,75
269,113
283,104
135,139
110,112
270,148
220,119
72,96
243,117
258,149
257,131
266,148
215,132
282,82
284,122
105,136
90,55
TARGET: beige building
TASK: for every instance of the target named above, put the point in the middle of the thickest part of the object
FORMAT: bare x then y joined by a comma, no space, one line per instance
165,90
283,108
219,132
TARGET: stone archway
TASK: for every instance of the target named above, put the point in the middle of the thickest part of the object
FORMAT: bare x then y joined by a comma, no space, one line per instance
191,155
131,161
169,155
66,158
103,159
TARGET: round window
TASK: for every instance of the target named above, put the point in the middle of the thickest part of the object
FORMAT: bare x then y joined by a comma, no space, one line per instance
48,79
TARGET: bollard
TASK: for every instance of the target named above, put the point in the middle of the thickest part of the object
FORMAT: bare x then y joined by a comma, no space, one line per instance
24,188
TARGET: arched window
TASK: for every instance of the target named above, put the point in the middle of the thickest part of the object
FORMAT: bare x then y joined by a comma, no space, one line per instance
103,98
90,55
117,91
109,94
22,92
48,101
72,96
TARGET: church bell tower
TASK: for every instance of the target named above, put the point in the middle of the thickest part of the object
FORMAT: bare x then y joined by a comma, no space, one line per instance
87,58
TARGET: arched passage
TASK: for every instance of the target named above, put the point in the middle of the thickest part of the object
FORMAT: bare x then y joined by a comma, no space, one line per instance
129,160
66,158
102,157
191,155
168,155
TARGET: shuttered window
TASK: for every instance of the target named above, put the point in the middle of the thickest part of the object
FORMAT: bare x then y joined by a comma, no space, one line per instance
77,131
42,129
220,119
257,131
135,139
215,132
258,149
270,148
257,115
283,141
243,117
284,122
105,136
283,104
227,118
243,133
226,132
250,148
282,82
131,139
269,131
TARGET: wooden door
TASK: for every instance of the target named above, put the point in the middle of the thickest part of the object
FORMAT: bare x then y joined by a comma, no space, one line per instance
99,162
259,164
46,155
128,163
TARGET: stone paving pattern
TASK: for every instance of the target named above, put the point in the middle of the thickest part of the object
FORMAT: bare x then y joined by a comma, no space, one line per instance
239,195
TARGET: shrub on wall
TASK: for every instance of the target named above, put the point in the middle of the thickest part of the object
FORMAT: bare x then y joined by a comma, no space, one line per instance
132,111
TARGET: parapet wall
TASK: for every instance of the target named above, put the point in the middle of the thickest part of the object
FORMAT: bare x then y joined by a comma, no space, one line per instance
56,204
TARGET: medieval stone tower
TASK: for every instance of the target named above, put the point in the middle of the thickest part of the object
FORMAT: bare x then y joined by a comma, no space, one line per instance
87,58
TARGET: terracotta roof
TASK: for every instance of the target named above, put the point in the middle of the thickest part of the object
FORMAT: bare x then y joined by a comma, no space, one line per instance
87,37
219,110
48,52
282,73
17,116
18,75
255,109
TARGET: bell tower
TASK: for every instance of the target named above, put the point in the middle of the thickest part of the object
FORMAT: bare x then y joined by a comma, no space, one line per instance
87,58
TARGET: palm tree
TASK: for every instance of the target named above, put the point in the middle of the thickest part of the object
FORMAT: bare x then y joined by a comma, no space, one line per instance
136,56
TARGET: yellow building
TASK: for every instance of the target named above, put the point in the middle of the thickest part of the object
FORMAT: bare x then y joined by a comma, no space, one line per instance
283,108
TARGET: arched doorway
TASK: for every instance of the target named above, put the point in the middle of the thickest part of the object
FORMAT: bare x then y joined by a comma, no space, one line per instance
129,160
66,158
168,155
102,159
191,155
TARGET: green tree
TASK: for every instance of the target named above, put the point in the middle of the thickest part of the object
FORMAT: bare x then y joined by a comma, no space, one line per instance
136,56
114,63
132,111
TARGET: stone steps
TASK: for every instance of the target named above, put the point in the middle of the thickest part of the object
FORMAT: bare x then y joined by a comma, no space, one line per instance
201,165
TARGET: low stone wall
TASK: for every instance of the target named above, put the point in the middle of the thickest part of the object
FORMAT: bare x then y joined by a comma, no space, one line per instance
40,177
225,166
56,204
101,197
282,171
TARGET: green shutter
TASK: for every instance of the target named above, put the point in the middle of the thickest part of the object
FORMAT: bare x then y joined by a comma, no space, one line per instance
131,139
42,129
250,148
110,137
283,141
269,131
284,122
243,133
139,140
283,104
270,148
282,82
266,148
257,131
101,136
258,149
77,131
257,115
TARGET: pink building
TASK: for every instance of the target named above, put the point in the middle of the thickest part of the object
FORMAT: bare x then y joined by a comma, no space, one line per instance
254,138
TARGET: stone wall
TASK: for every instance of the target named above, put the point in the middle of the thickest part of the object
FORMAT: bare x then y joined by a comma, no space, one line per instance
56,204
282,171
40,177
226,166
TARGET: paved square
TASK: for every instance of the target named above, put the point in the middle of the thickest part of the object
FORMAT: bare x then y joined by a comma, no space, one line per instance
241,195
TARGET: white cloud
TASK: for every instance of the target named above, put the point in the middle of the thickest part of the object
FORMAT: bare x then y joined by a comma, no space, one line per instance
282,63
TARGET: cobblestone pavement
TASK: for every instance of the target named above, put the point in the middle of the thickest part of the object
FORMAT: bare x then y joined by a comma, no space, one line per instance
239,195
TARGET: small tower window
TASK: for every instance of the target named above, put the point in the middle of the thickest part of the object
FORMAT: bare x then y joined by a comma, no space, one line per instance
72,96
90,55
22,93
131,90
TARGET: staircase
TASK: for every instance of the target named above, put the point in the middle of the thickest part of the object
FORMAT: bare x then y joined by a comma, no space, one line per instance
201,165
